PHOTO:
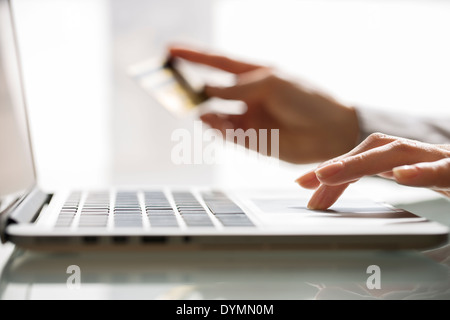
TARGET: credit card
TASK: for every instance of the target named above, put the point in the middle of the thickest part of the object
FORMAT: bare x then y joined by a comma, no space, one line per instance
164,79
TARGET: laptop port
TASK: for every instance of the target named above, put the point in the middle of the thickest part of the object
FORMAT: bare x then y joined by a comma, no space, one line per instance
90,239
156,239
120,239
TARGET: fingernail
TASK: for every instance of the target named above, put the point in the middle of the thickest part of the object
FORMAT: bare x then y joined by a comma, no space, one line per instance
308,181
316,200
405,172
329,170
305,178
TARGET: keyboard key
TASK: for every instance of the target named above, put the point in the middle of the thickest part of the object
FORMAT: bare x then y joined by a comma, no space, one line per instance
161,213
224,209
128,220
128,224
69,210
193,212
128,217
158,209
64,221
93,221
94,211
163,221
198,221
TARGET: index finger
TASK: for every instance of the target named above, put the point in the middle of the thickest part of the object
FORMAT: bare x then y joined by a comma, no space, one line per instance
378,160
213,60
309,180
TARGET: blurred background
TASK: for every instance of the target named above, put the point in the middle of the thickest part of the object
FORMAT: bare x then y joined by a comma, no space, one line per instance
93,126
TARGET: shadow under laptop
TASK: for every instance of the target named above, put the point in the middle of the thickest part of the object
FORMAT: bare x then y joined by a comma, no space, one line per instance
224,275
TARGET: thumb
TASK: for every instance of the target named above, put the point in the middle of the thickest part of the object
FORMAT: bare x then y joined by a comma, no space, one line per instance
244,91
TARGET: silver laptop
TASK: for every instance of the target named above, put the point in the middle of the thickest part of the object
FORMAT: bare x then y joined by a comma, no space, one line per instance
166,218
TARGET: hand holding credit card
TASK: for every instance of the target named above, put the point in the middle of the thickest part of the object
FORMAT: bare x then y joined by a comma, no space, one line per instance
164,79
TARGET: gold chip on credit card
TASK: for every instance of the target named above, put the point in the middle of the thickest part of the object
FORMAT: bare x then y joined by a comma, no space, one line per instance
163,79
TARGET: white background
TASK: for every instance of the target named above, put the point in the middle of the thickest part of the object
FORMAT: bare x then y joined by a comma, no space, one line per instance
92,125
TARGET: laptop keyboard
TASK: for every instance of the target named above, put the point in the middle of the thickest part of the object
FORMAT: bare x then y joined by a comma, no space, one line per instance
150,209
191,211
159,212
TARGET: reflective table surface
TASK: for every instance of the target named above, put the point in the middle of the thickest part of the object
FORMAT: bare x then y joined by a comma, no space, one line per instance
225,275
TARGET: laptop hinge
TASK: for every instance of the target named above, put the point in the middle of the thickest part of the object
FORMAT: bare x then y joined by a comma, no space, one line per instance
24,210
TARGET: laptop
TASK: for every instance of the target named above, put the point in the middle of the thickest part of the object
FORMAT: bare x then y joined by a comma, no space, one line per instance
164,218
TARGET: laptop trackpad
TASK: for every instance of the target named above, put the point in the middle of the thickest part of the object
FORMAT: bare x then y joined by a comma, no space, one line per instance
343,208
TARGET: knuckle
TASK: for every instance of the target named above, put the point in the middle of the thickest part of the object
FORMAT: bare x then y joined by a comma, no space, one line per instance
405,146
359,158
271,78
377,136
271,82
446,165
440,174
357,161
